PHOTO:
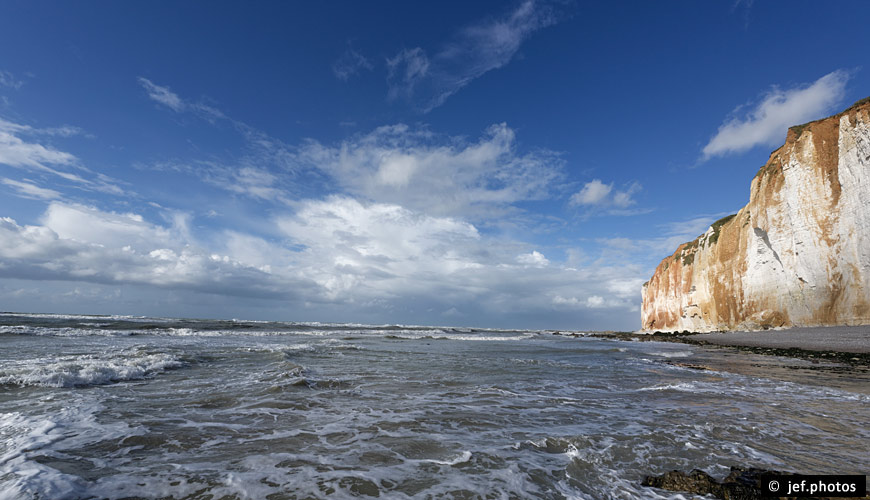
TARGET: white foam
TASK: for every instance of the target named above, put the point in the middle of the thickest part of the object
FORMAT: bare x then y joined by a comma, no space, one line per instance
681,387
85,370
463,457
672,354
25,438
84,317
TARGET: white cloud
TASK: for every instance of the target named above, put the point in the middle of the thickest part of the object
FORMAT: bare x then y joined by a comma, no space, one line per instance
385,256
263,171
414,168
7,79
349,64
534,259
405,70
78,243
20,153
255,182
595,301
767,122
16,152
62,131
472,52
593,193
623,199
597,195
437,175
86,224
378,247
30,190
364,260
452,312
592,302
258,175
163,95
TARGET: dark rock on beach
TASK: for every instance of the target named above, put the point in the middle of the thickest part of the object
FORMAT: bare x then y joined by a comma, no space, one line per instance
740,484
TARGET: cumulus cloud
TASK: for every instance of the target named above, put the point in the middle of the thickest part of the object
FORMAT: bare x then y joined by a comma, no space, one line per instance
593,193
385,255
434,174
534,259
590,302
473,51
596,194
377,251
361,257
766,123
80,243
350,64
89,225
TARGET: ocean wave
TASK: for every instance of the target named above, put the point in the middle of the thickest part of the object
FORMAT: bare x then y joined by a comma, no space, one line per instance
672,354
88,369
750,387
28,438
44,331
71,325
463,457
91,317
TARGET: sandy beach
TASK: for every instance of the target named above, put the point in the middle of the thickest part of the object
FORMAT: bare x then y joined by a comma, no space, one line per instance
854,339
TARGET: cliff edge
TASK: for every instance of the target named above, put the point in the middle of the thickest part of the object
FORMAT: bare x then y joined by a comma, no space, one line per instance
798,254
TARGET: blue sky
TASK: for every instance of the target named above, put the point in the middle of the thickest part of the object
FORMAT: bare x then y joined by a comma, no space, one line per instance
505,164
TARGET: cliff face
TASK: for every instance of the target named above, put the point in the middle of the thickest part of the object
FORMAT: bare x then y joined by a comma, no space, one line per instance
798,254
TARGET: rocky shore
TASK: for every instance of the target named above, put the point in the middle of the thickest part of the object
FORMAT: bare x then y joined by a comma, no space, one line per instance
740,484
814,344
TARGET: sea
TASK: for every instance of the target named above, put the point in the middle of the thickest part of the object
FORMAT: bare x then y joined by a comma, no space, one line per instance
95,407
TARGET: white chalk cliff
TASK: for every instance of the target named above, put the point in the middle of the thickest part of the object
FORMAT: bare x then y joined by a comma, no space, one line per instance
798,254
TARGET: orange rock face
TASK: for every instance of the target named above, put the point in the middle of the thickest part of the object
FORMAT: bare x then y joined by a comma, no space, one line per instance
798,254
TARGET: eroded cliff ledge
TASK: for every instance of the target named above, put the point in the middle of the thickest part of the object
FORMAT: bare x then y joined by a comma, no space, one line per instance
798,254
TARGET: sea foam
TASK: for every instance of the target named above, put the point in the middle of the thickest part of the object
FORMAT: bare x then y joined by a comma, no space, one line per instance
87,369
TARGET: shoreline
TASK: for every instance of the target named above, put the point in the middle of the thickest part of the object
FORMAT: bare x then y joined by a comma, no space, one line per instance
794,362
813,343
818,356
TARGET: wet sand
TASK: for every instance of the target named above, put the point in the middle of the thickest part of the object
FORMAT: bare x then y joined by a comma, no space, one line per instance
837,357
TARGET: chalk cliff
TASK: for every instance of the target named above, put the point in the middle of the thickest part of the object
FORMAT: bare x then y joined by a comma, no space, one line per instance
798,254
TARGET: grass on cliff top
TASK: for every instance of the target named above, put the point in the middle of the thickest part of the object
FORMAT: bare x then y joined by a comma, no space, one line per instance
799,129
860,102
689,248
717,227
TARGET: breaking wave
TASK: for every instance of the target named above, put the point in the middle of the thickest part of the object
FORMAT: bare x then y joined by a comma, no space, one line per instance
88,369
